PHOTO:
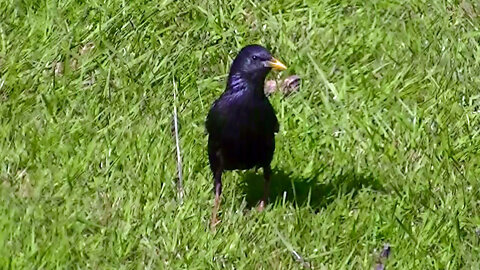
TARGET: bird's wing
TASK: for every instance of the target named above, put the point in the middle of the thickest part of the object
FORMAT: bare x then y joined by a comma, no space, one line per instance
215,121
273,118
276,127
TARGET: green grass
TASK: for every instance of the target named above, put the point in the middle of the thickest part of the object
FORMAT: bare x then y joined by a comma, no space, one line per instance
380,145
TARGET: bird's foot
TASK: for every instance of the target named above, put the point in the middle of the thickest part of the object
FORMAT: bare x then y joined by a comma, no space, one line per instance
214,222
261,206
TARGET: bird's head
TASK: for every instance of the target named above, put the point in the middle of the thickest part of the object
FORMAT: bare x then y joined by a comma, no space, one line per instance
254,62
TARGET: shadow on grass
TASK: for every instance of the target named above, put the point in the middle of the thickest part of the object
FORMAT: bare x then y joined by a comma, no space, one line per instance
305,191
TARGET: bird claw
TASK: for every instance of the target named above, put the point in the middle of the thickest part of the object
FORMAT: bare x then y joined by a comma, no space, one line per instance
213,224
261,206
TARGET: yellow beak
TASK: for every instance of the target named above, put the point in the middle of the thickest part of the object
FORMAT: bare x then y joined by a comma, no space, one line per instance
275,64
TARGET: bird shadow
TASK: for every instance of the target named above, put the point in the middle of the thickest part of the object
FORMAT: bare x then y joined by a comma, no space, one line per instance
306,191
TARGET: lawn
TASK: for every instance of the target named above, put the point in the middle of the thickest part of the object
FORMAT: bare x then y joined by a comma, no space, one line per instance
379,147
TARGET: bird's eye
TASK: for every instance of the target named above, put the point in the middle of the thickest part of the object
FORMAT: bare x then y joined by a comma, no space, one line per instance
254,57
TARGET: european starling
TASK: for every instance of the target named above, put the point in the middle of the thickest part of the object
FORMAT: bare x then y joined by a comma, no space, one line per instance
241,124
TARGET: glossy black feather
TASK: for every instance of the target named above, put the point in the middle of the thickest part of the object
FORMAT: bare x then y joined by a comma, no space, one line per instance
241,123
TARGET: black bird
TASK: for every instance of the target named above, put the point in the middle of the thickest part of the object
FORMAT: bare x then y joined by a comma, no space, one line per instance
241,124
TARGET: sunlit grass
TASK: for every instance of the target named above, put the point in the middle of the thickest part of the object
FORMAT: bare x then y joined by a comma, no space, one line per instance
380,145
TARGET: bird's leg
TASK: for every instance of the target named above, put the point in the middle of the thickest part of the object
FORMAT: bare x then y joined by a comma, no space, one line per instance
267,171
218,192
